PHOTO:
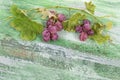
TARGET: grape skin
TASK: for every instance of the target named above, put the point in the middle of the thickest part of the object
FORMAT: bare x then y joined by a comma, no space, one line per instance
53,25
84,30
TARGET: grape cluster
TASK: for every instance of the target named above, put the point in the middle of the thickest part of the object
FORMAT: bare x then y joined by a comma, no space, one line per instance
84,30
53,25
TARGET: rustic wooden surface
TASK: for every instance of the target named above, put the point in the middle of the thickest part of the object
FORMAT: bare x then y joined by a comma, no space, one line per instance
36,60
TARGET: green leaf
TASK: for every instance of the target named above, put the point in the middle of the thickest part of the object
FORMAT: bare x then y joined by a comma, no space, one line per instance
16,11
90,7
24,24
109,25
27,35
99,38
98,28
74,20
65,24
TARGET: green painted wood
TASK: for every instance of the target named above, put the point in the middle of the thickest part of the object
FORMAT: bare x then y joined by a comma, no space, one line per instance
65,59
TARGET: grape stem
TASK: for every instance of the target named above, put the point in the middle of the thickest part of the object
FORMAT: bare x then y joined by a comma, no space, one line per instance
8,18
105,16
71,8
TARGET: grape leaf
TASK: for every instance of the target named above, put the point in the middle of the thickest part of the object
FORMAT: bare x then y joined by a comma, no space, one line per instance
109,25
98,36
74,20
28,29
27,35
45,13
90,7
98,28
65,24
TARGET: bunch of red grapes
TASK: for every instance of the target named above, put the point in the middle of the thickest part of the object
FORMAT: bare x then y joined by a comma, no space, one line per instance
84,30
53,25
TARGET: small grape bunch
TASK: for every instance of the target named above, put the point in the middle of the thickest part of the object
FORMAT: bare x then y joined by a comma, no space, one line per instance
53,25
84,30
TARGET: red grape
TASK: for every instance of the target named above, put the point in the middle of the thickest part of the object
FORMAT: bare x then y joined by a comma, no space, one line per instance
50,22
86,21
84,30
90,32
79,29
54,36
86,27
83,36
52,29
52,26
46,35
61,17
59,26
